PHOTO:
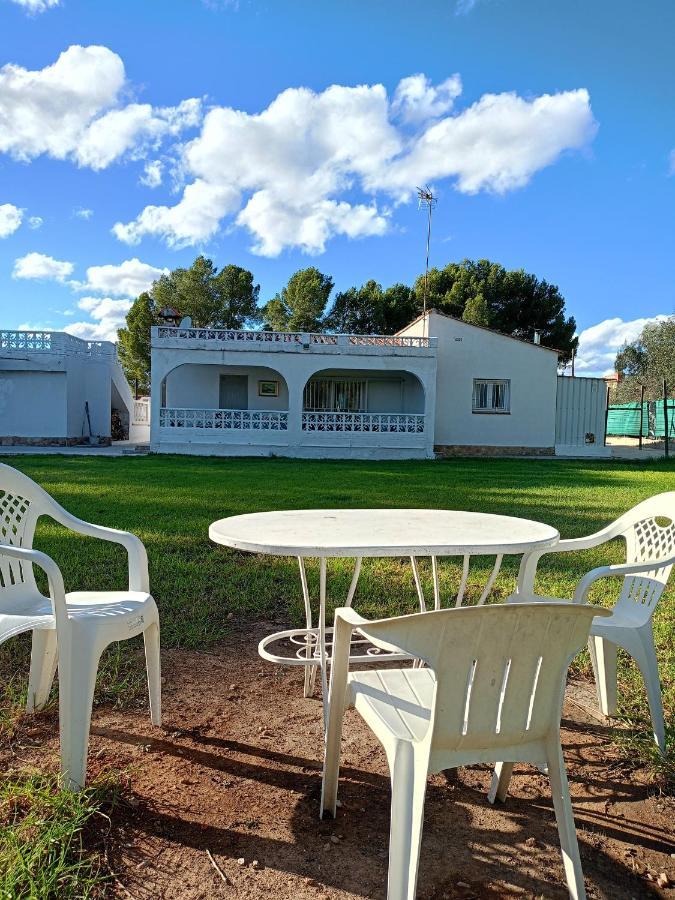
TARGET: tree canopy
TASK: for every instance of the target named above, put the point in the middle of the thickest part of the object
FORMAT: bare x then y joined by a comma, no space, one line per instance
647,361
372,310
479,292
300,306
513,302
220,299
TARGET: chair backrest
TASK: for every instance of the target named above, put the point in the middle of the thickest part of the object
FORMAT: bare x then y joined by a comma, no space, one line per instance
649,532
500,669
22,502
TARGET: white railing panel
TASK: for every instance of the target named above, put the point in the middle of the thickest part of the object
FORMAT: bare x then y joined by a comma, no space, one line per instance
53,342
382,423
141,412
224,419
229,335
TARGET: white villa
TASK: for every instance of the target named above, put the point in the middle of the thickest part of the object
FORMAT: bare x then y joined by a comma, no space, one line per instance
438,386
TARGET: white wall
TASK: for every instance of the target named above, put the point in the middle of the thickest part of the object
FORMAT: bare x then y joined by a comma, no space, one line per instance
466,352
33,404
198,386
89,381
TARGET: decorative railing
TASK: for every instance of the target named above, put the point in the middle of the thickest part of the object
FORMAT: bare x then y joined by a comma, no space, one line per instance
382,423
53,342
294,337
141,412
231,335
224,419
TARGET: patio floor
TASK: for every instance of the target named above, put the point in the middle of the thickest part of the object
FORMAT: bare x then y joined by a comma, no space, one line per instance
236,771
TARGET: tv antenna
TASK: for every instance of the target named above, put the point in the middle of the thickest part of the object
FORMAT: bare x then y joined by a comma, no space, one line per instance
426,198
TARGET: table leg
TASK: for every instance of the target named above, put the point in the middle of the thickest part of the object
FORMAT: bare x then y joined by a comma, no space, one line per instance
418,583
355,581
462,583
491,579
437,587
310,671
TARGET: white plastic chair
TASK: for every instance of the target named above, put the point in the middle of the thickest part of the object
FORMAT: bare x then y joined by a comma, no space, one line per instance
69,629
649,532
492,688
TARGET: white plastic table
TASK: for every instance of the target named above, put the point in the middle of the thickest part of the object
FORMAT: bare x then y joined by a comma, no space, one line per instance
358,533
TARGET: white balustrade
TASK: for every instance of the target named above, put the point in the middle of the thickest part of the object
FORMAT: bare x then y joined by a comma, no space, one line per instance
141,412
401,423
224,419
53,342
228,335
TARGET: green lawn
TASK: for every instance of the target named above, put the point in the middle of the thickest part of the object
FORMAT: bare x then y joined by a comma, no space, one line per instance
170,501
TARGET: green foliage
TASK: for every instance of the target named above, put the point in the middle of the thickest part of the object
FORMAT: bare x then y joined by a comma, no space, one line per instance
358,310
476,311
518,303
134,341
648,360
220,299
301,304
42,849
370,310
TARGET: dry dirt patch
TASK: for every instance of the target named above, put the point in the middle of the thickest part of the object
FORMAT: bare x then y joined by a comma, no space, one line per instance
236,771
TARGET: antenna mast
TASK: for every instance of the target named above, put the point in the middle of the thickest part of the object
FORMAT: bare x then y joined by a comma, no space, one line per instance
426,198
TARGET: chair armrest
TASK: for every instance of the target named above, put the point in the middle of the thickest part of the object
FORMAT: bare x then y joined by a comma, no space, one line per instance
621,570
528,565
347,614
138,558
57,591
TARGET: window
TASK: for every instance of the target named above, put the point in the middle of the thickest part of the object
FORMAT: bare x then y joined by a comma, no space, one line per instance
491,396
335,396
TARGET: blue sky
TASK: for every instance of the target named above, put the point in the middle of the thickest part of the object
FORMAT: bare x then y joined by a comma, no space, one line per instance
276,135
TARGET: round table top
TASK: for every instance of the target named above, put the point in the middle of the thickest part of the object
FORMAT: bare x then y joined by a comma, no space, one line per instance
381,532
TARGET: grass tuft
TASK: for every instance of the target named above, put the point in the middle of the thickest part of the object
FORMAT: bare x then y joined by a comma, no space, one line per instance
43,850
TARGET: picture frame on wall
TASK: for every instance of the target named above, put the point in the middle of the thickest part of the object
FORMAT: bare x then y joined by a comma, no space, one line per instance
268,388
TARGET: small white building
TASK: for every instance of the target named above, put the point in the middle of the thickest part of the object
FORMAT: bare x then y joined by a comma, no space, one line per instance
243,393
495,394
58,389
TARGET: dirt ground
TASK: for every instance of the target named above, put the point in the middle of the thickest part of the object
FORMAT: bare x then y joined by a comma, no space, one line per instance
235,772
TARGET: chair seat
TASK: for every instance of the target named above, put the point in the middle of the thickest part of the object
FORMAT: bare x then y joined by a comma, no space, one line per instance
394,702
23,613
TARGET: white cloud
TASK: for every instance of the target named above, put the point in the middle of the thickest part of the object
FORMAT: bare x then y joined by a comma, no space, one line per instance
10,219
128,279
497,144
289,173
153,174
416,99
36,6
35,222
41,267
81,212
72,110
135,127
599,344
108,316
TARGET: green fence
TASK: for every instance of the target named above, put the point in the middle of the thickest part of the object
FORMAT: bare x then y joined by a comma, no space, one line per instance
624,419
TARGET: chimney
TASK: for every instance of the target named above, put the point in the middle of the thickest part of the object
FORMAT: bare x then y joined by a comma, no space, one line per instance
537,336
